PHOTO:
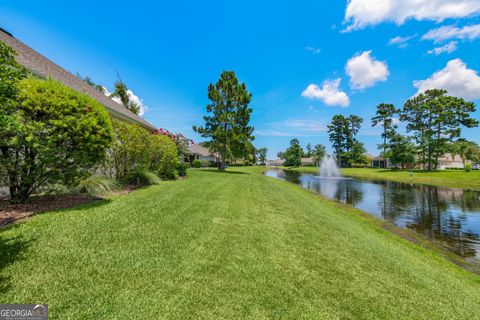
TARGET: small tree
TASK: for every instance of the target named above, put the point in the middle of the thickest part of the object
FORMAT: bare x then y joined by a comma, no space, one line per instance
227,124
55,135
121,91
262,156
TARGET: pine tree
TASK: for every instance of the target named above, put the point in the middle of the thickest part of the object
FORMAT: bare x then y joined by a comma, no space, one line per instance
227,122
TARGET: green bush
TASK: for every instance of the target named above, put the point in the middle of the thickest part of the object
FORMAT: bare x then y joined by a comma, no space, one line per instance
97,186
134,148
51,134
142,177
196,163
163,156
182,169
468,167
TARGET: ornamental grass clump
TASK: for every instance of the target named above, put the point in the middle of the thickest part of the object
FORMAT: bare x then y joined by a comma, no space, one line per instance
142,177
97,186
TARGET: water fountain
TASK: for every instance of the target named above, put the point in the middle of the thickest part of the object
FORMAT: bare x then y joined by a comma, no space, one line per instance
328,168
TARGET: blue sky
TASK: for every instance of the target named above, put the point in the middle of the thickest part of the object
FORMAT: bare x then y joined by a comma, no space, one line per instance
169,52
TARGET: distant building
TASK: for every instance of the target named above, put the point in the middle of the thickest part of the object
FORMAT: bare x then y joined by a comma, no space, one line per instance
449,161
379,162
307,162
199,152
275,163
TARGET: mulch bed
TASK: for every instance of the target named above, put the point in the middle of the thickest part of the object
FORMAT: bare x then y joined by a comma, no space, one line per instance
10,213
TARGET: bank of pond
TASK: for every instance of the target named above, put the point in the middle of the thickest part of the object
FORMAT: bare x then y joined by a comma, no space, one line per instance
446,215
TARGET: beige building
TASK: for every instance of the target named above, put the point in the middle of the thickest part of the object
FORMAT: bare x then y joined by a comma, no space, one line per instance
448,161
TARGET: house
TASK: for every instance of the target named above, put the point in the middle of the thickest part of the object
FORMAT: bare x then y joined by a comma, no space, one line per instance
199,152
275,163
304,162
379,162
449,161
44,68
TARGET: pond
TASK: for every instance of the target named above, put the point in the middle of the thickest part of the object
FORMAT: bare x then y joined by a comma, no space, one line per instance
446,214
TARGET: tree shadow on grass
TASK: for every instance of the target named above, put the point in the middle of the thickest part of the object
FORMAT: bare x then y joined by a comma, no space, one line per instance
228,172
11,250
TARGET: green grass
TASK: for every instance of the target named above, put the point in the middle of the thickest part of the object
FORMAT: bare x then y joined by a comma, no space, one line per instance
447,178
228,246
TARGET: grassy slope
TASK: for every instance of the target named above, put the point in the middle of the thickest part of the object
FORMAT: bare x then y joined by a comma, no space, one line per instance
226,246
448,178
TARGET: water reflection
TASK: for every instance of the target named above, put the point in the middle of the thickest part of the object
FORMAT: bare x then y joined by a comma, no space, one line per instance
446,214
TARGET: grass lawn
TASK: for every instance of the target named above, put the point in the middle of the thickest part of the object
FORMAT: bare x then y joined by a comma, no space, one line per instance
234,245
447,178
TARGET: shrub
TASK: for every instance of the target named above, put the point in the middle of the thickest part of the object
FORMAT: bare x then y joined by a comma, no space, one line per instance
53,135
97,186
163,156
134,148
182,169
468,167
196,163
142,177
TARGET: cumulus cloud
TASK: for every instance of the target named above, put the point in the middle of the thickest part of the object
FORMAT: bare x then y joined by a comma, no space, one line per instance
456,78
329,93
448,48
133,97
362,13
444,33
364,71
401,42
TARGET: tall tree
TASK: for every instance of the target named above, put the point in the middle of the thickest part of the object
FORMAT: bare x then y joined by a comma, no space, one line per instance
435,118
342,134
384,117
309,153
227,124
318,152
293,154
336,134
262,155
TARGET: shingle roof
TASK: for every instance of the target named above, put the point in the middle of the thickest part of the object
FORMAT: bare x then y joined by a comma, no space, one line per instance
200,150
43,67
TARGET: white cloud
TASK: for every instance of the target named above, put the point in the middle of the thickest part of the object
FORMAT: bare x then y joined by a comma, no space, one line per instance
362,13
306,125
448,48
329,93
364,71
401,42
313,50
444,33
132,96
293,128
456,78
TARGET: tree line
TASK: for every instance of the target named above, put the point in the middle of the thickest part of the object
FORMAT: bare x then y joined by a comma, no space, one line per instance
433,124
293,155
